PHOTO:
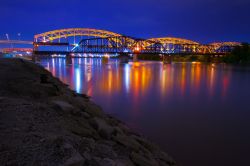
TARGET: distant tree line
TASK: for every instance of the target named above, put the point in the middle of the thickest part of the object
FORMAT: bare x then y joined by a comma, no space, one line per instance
240,55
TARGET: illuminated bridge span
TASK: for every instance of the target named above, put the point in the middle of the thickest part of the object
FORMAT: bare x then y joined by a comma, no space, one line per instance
124,44
102,41
171,44
172,40
217,45
72,32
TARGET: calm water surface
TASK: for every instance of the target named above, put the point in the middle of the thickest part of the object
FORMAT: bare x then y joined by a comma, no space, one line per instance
198,113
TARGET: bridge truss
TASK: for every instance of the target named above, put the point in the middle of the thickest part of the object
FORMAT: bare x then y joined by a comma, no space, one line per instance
124,44
72,32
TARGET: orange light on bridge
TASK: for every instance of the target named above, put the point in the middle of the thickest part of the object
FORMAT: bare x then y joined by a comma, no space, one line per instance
137,49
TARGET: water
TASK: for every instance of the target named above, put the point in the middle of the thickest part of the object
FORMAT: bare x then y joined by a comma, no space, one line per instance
198,113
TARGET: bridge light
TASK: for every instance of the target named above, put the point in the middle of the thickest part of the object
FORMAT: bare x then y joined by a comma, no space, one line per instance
126,50
137,48
106,56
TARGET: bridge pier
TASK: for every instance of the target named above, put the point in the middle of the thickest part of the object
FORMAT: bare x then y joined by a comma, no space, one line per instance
167,59
68,59
124,58
135,57
105,60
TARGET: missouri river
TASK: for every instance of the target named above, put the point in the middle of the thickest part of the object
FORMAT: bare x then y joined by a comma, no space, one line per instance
198,113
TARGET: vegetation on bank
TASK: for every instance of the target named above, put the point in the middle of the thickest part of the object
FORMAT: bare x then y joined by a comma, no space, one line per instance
240,55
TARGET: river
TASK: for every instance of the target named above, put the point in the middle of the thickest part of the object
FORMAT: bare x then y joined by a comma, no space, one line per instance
198,113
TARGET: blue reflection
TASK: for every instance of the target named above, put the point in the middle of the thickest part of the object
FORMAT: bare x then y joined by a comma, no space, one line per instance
127,74
78,80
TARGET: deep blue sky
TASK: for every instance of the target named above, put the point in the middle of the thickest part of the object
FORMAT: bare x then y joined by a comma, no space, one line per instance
200,20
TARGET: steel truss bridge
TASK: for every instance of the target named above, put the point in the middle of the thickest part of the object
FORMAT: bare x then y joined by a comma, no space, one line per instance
102,41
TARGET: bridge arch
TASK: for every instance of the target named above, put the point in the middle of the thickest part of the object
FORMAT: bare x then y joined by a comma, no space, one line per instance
69,32
217,45
173,40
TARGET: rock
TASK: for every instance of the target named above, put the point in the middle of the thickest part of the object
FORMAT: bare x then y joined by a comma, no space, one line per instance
96,161
107,162
86,115
2,99
140,160
102,127
63,105
87,156
94,110
66,107
164,157
163,163
118,130
83,96
81,102
44,78
124,128
76,160
127,141
148,145
79,128
86,145
104,151
123,162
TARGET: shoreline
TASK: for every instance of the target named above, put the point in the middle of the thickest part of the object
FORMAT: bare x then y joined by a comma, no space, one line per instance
43,122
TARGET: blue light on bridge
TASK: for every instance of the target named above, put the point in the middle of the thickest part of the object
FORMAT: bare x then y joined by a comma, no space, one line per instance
76,45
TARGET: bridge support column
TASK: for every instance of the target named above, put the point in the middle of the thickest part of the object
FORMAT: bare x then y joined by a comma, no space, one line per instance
124,58
105,60
167,59
135,57
68,59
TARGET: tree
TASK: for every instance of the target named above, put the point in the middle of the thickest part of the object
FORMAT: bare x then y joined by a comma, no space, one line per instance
240,54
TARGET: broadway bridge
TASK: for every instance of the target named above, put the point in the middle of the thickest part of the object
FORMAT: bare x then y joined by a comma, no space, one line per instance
94,41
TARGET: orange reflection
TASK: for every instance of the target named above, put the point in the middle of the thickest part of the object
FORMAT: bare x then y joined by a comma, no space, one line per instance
211,79
225,85
166,79
183,79
139,79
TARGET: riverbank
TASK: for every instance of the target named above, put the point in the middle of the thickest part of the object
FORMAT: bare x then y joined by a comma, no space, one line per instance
43,122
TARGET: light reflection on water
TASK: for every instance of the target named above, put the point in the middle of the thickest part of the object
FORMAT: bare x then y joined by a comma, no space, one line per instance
199,113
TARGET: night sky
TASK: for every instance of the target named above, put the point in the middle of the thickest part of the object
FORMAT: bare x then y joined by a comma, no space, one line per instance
199,20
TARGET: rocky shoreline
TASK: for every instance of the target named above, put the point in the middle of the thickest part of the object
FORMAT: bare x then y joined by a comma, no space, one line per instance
43,122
